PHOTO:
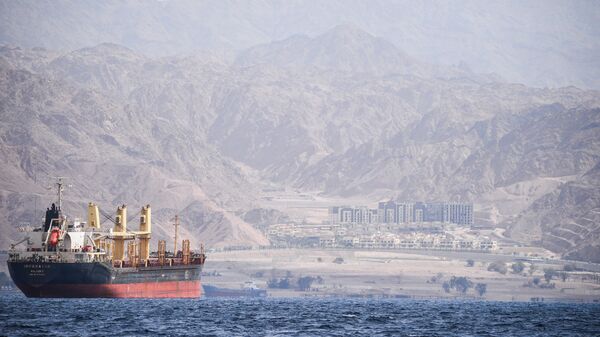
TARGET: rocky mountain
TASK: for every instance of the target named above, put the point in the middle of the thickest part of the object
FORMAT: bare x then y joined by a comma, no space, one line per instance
348,49
329,114
512,166
343,113
344,48
565,219
112,149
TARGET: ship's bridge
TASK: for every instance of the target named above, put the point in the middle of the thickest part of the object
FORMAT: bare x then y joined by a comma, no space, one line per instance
74,241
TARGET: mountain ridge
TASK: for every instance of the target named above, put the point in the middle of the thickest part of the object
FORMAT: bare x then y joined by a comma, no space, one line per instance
186,130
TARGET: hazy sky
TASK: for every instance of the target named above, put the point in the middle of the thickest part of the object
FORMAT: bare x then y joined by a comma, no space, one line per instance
553,43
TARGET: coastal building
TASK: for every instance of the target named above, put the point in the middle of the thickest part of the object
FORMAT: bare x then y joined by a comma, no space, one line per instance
352,215
419,215
387,212
405,212
390,212
460,213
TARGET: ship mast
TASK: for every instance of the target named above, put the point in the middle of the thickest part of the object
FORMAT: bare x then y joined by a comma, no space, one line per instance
60,188
176,224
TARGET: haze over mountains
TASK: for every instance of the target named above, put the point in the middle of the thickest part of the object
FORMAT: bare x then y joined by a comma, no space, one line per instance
339,111
541,43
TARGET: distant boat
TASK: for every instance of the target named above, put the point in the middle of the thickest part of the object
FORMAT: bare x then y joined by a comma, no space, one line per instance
248,290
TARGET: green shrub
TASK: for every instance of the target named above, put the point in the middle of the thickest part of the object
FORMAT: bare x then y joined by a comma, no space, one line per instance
518,267
549,274
498,266
481,288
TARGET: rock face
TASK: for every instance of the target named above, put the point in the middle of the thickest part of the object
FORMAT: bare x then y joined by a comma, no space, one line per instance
262,218
85,116
344,48
568,217
343,113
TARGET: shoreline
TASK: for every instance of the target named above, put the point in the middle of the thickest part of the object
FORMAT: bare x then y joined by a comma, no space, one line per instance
398,274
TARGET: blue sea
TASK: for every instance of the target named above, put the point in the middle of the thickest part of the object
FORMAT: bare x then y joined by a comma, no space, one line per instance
20,316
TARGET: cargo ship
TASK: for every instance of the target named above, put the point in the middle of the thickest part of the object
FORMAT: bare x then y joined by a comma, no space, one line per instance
73,258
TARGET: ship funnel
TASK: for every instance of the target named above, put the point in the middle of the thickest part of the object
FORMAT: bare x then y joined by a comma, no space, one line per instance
145,231
121,228
93,216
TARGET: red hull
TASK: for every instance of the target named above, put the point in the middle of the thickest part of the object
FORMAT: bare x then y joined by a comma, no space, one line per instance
173,289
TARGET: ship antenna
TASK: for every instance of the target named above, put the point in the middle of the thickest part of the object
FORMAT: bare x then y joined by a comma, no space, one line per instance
60,187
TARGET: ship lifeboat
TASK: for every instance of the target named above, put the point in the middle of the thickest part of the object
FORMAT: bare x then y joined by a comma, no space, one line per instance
54,235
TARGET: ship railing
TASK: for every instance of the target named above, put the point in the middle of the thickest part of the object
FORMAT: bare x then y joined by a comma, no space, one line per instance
34,249
154,262
16,257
